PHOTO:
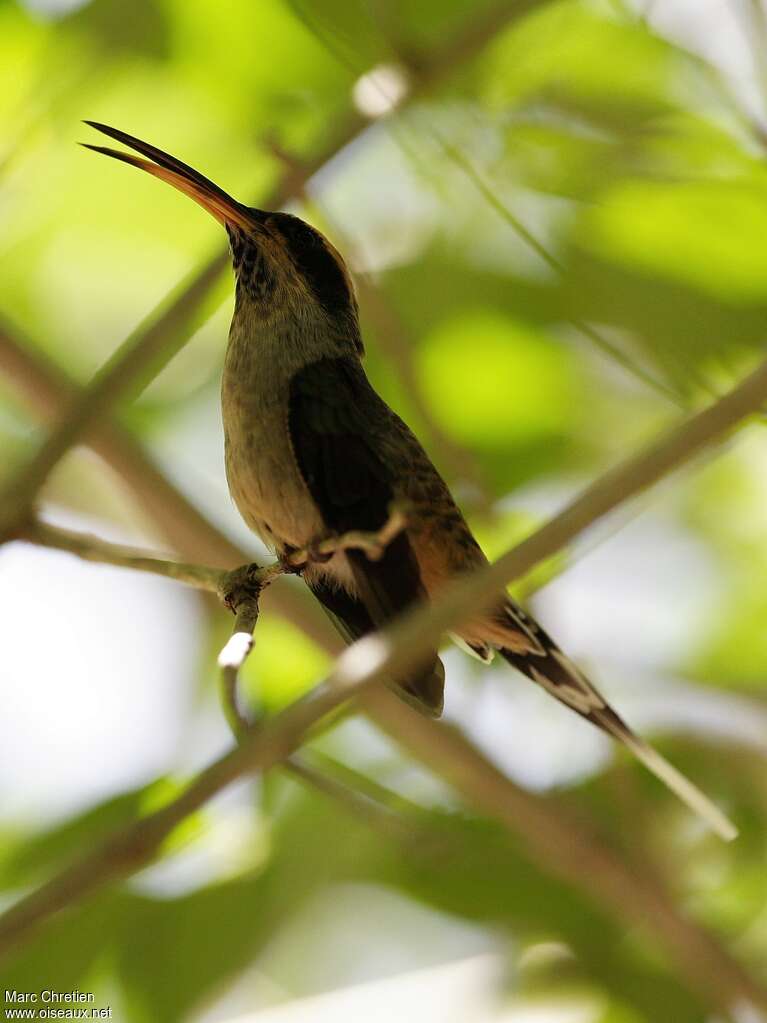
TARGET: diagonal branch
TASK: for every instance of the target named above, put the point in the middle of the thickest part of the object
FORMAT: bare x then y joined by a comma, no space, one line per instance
572,851
413,634
567,848
133,847
150,343
48,390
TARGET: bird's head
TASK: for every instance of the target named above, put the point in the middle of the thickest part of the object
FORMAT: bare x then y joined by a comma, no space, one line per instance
283,266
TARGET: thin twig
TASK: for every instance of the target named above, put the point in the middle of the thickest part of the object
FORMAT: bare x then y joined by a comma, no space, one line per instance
587,329
91,548
213,580
230,661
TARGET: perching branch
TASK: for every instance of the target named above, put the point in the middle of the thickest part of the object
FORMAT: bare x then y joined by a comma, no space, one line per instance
231,659
414,634
241,591
213,580
564,846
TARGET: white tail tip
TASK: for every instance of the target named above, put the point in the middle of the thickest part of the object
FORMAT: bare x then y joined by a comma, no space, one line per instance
699,803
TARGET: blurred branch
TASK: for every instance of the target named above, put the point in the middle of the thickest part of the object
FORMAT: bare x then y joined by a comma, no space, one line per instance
418,632
133,847
157,339
587,329
192,535
144,346
49,391
564,846
571,851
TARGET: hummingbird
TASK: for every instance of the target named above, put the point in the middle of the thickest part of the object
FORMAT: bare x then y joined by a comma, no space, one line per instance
312,451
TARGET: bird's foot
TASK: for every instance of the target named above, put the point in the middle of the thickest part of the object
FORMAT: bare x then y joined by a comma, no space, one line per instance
293,560
286,559
315,555
241,584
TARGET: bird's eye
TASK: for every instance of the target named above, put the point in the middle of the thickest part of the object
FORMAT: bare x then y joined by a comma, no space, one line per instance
316,263
297,233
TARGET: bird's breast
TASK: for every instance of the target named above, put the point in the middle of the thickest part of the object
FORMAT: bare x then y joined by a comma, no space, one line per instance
262,473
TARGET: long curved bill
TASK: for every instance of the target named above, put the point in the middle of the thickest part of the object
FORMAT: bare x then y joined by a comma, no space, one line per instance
186,179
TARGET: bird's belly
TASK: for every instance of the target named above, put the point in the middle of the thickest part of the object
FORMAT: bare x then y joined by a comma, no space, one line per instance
263,477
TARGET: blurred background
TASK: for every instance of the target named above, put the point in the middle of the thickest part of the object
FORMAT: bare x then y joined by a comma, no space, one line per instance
556,211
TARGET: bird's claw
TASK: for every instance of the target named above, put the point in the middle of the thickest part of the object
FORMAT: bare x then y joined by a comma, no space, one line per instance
310,555
314,556
241,584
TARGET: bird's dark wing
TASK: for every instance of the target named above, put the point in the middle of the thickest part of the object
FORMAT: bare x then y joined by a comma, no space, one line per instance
423,688
336,422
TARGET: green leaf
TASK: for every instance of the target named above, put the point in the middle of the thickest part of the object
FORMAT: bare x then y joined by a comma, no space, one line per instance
500,386
707,234
572,55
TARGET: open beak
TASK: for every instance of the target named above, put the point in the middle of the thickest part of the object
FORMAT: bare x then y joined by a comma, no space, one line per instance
215,200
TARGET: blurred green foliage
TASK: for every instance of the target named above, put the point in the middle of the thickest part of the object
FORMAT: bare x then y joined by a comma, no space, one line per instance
631,162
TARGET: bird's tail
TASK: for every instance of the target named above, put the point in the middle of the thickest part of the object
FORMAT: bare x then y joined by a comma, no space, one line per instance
554,671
